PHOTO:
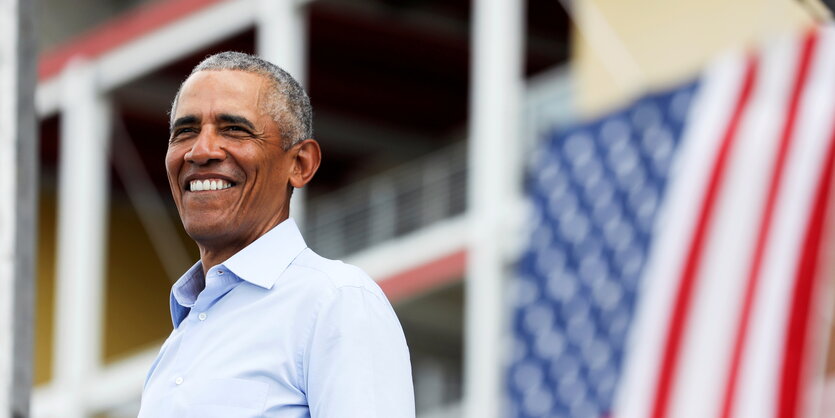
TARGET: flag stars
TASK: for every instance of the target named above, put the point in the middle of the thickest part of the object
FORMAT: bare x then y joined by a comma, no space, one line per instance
679,105
537,402
563,287
594,195
579,148
646,115
539,318
613,131
549,344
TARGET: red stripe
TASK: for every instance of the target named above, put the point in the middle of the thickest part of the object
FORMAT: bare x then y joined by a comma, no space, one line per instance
791,384
117,32
766,222
684,297
437,273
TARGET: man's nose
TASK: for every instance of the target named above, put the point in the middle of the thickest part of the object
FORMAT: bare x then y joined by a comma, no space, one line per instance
207,147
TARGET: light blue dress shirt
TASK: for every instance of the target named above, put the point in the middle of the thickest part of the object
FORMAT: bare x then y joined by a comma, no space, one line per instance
279,331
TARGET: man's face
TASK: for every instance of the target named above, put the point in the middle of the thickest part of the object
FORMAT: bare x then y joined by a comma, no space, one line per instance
226,166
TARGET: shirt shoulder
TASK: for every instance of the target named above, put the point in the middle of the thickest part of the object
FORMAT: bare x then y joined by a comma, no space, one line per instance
355,361
333,274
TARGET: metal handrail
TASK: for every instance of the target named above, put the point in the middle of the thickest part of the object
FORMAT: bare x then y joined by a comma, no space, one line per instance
390,204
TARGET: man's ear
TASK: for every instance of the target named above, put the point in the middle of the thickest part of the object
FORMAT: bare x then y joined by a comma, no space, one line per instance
306,158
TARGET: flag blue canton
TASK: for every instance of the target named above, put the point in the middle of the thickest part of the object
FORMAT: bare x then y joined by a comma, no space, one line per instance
594,191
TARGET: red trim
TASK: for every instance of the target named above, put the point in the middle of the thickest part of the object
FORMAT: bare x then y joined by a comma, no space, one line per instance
684,296
119,31
797,335
765,223
442,271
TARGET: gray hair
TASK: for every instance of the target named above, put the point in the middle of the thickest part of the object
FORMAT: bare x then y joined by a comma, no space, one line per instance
288,103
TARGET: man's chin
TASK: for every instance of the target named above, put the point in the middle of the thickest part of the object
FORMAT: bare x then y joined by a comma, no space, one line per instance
205,231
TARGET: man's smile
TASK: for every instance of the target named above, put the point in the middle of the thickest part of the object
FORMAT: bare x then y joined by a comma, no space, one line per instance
208,185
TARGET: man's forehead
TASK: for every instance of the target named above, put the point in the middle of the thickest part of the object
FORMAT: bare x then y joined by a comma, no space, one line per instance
226,84
222,90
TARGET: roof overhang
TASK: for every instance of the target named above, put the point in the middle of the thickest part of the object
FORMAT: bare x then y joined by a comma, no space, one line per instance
142,41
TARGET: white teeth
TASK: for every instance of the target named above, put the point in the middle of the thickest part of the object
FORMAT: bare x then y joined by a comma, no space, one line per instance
213,184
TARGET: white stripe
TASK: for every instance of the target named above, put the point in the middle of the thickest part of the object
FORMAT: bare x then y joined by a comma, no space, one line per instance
711,326
708,120
759,383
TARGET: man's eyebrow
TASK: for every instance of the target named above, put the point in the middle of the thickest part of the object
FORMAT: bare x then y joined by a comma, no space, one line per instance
235,119
185,120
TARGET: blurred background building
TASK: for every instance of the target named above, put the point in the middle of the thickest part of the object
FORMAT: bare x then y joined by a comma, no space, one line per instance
390,82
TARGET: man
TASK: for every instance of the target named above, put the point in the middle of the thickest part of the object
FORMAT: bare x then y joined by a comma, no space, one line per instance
264,327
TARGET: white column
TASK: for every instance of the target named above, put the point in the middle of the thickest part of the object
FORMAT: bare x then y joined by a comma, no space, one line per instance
281,38
493,181
18,181
82,224
8,181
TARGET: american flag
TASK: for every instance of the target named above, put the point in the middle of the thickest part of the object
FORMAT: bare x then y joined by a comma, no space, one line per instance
673,267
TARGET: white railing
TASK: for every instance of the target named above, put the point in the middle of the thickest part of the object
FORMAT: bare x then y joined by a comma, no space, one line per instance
421,192
390,204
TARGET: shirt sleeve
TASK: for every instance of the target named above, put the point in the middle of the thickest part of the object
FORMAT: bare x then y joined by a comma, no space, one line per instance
357,362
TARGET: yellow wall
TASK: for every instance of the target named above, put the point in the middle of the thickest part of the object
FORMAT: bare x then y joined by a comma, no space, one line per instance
622,48
44,288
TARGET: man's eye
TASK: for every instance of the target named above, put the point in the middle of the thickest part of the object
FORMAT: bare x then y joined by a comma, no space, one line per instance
183,131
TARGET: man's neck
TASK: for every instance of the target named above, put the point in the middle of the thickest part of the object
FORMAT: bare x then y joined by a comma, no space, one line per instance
214,253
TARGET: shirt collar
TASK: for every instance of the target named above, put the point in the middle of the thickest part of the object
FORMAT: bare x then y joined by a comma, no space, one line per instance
184,292
263,261
189,285
259,263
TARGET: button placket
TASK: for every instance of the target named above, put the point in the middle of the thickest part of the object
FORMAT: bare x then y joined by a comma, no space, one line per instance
204,299
190,335
192,329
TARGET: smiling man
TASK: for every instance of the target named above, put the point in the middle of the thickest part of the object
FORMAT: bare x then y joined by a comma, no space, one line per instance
263,326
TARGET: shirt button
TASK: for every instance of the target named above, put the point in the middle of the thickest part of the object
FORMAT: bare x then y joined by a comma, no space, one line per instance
202,316
178,380
220,272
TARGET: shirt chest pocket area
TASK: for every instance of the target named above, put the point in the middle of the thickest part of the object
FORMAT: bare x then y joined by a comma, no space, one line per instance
227,398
